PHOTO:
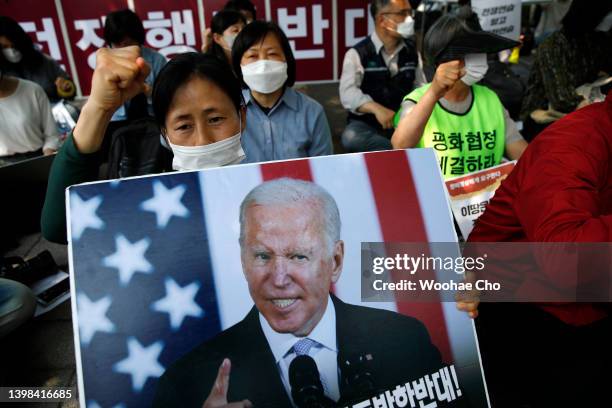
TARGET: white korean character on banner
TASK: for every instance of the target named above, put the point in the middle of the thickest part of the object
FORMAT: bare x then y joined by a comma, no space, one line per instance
422,393
47,35
180,39
296,26
445,391
431,386
350,15
410,392
380,401
362,404
89,38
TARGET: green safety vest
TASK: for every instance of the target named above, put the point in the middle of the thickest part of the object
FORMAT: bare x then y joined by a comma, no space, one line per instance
465,142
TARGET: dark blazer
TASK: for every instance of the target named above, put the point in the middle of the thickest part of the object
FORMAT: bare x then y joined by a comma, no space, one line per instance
400,347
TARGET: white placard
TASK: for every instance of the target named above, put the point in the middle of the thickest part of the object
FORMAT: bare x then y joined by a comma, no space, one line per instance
502,17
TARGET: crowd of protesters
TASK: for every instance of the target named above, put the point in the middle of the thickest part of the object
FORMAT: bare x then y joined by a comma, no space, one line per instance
235,102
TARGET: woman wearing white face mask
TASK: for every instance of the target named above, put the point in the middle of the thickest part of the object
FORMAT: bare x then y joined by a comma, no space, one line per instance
197,103
464,122
281,122
21,59
225,27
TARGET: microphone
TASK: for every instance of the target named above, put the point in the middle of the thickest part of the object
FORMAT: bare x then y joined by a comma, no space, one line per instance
305,381
357,375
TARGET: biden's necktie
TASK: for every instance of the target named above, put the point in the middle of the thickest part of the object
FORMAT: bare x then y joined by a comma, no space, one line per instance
302,348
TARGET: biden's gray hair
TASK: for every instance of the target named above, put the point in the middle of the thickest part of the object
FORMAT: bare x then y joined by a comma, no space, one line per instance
288,191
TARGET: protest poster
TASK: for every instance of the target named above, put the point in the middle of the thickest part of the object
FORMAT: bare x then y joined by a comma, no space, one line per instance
470,194
158,269
502,17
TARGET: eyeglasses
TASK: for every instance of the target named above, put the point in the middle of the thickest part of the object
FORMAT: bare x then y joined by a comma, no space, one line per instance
402,13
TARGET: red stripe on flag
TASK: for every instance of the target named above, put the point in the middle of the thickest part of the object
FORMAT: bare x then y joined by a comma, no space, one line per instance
297,169
401,220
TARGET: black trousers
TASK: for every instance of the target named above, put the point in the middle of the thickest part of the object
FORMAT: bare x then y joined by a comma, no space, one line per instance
532,359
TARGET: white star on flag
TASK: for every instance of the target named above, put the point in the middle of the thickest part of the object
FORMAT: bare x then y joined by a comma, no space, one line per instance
166,203
92,317
129,258
83,214
179,302
141,363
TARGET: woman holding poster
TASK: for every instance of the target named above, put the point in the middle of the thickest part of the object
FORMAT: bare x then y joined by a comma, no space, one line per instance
464,122
198,108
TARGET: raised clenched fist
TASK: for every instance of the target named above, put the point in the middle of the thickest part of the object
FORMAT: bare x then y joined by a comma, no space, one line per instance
447,74
119,76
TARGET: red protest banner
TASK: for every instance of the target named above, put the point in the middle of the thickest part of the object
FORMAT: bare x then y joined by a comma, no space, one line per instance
354,24
309,27
85,26
171,26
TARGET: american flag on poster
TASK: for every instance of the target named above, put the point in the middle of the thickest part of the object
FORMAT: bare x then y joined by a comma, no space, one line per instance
157,269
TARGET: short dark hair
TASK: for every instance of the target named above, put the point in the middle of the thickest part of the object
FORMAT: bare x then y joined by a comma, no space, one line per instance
376,5
121,24
219,23
239,5
257,31
10,29
444,30
181,69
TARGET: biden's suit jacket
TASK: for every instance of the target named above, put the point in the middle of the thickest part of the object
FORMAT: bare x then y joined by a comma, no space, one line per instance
399,346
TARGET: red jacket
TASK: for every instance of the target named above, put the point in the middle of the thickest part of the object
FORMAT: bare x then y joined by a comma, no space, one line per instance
560,191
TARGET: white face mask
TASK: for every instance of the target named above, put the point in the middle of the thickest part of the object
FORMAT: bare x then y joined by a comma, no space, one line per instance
476,67
265,76
12,55
406,27
229,40
223,153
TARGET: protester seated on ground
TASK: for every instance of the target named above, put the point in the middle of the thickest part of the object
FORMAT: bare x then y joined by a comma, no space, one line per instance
244,7
573,56
464,122
376,75
225,27
197,103
17,305
21,58
560,191
281,122
27,128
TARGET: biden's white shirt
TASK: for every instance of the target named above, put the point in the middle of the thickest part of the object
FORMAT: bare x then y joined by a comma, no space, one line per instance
325,353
